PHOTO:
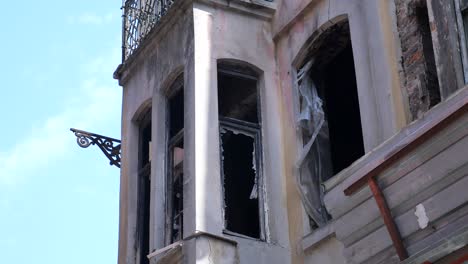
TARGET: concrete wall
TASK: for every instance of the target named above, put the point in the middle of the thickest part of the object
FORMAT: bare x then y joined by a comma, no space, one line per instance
217,30
382,104
145,78
191,41
327,251
194,38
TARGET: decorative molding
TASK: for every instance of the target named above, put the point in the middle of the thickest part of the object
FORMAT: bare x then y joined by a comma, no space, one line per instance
109,146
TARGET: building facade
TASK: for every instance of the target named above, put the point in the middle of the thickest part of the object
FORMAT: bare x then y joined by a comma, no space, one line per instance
294,131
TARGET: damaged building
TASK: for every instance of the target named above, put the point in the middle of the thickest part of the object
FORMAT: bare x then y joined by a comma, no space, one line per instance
294,131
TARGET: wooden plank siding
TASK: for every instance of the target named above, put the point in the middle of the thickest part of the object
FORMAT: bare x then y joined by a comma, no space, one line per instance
434,174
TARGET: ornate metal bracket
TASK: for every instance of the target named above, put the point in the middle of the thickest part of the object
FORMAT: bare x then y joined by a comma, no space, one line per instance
109,146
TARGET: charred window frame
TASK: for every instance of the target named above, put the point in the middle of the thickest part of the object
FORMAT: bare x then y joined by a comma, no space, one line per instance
175,158
241,153
144,189
461,7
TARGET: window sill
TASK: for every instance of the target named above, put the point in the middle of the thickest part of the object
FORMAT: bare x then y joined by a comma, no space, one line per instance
169,252
234,234
317,236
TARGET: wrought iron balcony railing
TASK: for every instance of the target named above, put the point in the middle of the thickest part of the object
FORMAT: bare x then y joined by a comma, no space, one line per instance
139,17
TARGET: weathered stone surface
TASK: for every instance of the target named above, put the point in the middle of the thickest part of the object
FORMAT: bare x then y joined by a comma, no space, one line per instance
399,50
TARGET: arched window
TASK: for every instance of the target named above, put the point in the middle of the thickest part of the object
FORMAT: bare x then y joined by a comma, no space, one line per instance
175,154
143,187
241,150
329,117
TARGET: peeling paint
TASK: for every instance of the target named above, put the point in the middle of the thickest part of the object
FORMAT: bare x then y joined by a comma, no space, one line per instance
421,216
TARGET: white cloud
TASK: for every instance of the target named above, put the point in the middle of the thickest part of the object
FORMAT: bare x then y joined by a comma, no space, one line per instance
92,19
97,101
100,65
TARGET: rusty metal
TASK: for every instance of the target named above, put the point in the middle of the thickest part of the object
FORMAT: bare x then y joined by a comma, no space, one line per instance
139,17
462,260
388,219
109,146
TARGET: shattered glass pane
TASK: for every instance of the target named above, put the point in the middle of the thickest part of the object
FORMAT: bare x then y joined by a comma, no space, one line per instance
240,184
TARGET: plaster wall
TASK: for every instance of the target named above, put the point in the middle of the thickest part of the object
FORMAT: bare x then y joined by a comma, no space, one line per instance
217,29
192,40
383,107
145,81
251,251
209,250
199,36
327,251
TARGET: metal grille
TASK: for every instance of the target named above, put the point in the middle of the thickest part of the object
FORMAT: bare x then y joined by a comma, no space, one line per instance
139,17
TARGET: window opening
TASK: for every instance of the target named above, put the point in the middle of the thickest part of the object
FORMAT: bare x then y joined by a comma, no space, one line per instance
240,154
341,107
144,188
431,81
237,96
329,117
174,191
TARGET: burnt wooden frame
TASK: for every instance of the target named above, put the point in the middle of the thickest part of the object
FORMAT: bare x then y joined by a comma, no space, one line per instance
240,70
253,130
143,192
172,143
176,86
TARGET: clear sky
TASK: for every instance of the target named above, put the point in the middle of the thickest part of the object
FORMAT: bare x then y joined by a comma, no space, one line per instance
58,202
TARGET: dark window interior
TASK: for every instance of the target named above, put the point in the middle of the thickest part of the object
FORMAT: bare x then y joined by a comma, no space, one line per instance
175,169
145,138
177,191
336,82
176,113
143,199
432,81
241,212
237,104
238,97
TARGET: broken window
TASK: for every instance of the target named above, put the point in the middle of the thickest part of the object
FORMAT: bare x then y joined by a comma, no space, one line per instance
240,140
431,81
462,19
144,180
175,175
329,116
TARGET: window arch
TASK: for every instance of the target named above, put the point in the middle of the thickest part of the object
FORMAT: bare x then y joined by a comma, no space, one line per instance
241,149
143,121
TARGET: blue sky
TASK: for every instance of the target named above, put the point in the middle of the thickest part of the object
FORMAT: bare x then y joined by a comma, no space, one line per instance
58,202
